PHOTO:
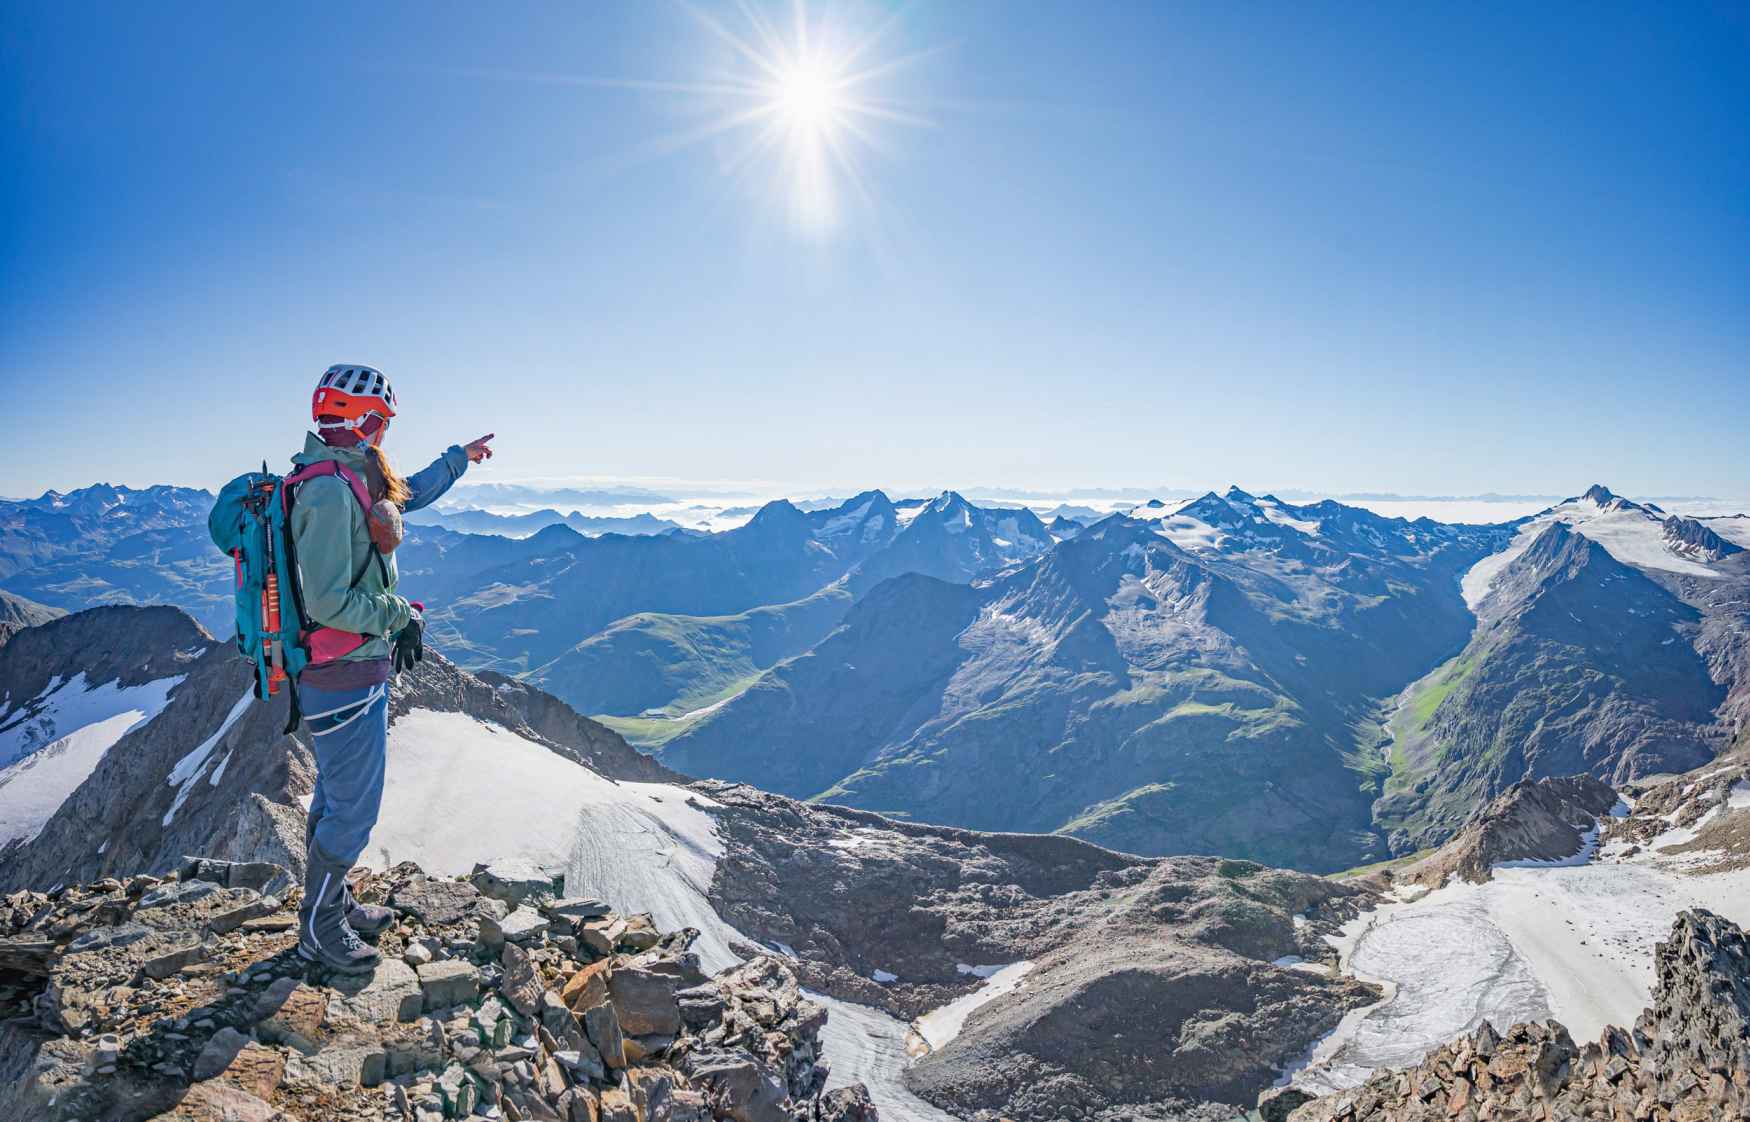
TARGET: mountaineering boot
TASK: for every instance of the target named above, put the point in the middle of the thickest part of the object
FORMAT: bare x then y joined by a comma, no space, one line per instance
324,936
366,919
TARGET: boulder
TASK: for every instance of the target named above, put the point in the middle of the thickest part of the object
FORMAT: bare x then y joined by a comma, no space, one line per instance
448,983
520,926
645,1001
393,992
515,880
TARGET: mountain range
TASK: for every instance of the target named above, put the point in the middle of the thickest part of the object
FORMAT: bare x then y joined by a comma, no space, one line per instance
1311,685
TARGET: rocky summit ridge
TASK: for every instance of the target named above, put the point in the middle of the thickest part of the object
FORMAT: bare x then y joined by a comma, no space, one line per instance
1687,1059
183,999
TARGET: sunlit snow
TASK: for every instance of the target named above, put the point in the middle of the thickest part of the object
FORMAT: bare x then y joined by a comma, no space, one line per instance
943,1024
1631,535
55,750
460,790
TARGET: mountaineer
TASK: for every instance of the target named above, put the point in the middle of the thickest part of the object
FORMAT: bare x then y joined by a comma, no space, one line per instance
345,503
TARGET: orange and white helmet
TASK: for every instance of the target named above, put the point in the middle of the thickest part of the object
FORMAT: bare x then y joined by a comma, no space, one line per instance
348,396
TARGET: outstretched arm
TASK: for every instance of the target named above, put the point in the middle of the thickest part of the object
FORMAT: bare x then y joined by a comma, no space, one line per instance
428,486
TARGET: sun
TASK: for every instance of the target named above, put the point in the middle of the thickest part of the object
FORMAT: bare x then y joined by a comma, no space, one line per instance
801,104
808,97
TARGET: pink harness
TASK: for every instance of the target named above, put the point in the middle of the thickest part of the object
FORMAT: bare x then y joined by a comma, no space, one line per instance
326,644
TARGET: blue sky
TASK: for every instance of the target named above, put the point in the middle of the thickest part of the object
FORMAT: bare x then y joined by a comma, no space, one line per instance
1428,248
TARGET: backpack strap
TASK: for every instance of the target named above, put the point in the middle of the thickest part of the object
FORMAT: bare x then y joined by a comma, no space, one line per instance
327,467
360,491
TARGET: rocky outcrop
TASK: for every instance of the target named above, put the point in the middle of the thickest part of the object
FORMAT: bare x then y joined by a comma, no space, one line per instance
17,613
126,646
1687,1058
1157,984
1543,820
184,999
214,772
1696,541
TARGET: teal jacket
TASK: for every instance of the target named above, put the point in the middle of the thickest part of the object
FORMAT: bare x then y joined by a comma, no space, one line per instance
342,584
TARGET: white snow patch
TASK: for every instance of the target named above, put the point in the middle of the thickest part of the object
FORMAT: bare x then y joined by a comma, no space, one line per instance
1633,536
81,725
640,846
884,976
867,1046
1189,533
67,705
845,523
1275,513
192,766
1570,941
219,772
1287,960
939,1026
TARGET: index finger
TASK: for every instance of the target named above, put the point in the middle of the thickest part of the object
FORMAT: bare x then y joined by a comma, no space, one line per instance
485,438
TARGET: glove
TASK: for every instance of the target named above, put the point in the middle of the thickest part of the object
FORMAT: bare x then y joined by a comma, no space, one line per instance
410,643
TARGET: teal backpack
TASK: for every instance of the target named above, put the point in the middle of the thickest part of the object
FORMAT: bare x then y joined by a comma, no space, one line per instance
251,522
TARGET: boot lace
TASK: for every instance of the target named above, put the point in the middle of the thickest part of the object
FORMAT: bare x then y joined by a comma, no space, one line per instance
349,939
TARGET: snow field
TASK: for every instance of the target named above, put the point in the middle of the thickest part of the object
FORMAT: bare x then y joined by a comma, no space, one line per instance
459,790
1634,537
1561,939
51,753
943,1024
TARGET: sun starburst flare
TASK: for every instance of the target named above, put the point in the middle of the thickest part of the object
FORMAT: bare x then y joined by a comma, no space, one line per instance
800,109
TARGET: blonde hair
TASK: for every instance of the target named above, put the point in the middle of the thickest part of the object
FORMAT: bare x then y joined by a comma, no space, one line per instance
385,482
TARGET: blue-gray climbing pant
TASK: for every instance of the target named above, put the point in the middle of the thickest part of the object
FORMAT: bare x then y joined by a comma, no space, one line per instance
350,732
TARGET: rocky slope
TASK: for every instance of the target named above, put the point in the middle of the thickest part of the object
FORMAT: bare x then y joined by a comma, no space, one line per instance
184,999
17,613
1149,984
1598,649
1687,1058
212,773
893,916
1548,820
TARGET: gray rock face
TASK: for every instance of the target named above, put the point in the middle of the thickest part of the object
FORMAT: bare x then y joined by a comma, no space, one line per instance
1687,1060
127,816
1543,820
1695,540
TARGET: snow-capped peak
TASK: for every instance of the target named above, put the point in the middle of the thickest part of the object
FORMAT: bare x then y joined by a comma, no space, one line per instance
1633,533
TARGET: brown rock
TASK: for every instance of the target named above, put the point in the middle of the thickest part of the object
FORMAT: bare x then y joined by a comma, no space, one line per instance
616,1107
291,1013
257,1069
588,987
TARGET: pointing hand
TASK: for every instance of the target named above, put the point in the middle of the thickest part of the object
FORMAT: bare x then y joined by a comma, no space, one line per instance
479,450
